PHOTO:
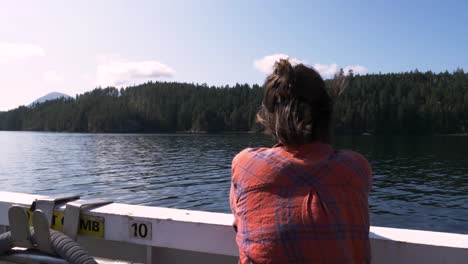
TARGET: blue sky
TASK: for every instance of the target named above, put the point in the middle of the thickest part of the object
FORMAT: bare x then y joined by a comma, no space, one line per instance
72,47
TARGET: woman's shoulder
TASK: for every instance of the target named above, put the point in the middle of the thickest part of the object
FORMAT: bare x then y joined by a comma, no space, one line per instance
253,166
357,163
354,156
249,153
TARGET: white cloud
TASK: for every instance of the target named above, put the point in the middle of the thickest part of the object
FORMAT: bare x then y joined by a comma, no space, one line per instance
326,70
329,70
265,65
51,76
16,51
357,69
120,72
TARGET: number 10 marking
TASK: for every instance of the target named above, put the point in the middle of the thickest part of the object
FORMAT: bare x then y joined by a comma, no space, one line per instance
140,230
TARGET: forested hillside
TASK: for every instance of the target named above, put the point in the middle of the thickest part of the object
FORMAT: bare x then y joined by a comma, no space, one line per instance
413,102
150,107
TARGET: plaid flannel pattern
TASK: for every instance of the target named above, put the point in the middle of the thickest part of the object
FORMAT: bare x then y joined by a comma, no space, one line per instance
306,204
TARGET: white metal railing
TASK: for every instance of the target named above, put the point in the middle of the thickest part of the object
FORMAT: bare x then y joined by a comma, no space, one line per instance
212,233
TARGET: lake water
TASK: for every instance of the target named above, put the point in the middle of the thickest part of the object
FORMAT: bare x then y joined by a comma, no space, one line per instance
419,182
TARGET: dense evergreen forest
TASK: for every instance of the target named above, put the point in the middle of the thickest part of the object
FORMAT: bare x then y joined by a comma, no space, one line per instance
397,103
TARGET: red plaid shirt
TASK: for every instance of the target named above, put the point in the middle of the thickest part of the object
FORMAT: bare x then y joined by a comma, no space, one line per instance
306,204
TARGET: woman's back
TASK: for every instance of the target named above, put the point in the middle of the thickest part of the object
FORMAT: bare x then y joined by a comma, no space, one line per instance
303,204
300,201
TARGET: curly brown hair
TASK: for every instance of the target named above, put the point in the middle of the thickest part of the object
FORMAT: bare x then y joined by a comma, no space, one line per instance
296,107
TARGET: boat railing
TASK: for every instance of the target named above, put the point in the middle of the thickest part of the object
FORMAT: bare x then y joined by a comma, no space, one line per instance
147,234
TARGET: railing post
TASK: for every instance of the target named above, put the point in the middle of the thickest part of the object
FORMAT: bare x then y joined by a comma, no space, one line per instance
149,255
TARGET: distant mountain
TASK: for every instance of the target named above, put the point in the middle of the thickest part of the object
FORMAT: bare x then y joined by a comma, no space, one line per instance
48,97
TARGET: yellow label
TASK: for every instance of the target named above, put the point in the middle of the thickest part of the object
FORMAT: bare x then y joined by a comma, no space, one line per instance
89,225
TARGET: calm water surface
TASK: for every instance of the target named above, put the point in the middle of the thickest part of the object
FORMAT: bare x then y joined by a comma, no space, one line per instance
419,182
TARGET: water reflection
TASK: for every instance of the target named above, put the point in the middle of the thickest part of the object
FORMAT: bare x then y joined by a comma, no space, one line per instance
419,182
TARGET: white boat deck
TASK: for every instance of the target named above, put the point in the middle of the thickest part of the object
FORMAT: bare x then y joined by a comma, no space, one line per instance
145,234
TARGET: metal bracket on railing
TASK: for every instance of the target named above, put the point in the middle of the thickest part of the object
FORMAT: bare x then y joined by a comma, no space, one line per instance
47,204
25,245
42,232
19,226
72,214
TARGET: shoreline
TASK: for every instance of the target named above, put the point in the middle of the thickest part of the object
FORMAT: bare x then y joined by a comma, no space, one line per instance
233,133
